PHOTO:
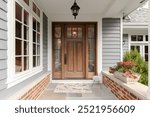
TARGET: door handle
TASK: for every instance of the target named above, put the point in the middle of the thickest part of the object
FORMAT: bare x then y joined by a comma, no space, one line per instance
65,59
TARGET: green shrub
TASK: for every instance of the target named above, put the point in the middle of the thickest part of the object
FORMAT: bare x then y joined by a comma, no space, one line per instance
141,65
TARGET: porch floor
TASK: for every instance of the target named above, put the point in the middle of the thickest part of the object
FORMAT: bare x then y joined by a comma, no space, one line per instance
99,92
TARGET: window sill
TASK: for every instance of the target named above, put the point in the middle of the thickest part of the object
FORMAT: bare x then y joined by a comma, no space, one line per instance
18,78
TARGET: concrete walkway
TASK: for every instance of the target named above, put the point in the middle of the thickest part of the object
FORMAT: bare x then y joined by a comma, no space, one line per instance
99,92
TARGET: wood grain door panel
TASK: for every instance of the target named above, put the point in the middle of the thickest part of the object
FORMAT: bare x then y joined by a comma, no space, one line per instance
79,57
70,56
74,50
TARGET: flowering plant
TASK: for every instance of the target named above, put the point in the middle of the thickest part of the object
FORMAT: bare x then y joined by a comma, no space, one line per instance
125,67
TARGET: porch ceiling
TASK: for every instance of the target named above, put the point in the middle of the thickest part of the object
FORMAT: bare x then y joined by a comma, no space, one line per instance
90,9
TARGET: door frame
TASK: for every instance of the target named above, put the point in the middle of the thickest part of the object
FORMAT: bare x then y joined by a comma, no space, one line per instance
88,75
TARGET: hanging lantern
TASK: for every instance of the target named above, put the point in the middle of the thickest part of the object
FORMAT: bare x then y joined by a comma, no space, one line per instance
75,9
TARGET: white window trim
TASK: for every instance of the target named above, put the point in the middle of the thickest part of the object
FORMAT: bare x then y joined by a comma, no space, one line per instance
142,44
14,78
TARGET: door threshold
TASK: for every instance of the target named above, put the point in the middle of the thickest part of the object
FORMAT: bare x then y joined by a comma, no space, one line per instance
72,81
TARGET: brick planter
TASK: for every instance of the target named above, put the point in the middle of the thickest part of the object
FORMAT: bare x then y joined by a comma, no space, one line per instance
120,92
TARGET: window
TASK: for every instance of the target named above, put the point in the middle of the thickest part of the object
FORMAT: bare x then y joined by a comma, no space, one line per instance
140,43
21,39
20,44
36,43
135,48
146,37
58,48
137,38
91,48
36,9
146,53
26,1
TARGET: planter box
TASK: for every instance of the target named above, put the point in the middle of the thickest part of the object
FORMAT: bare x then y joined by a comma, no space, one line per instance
119,75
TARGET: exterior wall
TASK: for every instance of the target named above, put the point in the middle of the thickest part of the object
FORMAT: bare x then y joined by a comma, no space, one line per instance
3,43
14,91
45,42
111,42
36,90
125,43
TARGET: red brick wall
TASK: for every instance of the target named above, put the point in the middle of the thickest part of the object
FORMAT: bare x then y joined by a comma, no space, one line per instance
120,92
36,90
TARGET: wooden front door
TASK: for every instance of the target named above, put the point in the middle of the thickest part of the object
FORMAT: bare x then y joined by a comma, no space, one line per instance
74,50
74,66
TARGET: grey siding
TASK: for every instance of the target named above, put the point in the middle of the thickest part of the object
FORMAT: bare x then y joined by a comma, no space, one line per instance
126,43
111,48
45,42
3,44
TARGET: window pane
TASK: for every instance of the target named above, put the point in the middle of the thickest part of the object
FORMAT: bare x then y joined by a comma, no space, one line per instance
38,38
74,32
68,32
79,32
18,64
26,63
18,12
138,48
132,47
57,32
18,30
26,48
34,61
34,49
57,60
146,53
146,57
18,47
140,37
133,38
91,32
38,61
34,36
146,37
38,12
91,43
26,33
26,17
57,44
146,49
34,7
91,55
38,49
91,66
34,24
27,2
38,26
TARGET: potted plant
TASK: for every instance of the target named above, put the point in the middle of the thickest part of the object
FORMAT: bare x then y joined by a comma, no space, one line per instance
125,72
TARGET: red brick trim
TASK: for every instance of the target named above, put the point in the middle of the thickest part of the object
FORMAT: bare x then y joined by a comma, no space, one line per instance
120,92
36,90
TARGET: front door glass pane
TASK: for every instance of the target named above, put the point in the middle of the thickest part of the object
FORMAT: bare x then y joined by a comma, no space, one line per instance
91,48
57,48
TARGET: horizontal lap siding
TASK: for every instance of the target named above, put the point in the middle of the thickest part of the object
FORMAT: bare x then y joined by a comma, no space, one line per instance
45,42
3,44
126,43
111,49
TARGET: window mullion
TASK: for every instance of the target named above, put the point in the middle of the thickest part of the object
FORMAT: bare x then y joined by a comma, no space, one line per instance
22,39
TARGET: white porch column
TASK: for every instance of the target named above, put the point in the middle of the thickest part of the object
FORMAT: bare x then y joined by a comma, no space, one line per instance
148,92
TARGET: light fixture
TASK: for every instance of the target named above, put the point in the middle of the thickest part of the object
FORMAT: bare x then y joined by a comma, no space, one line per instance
75,9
